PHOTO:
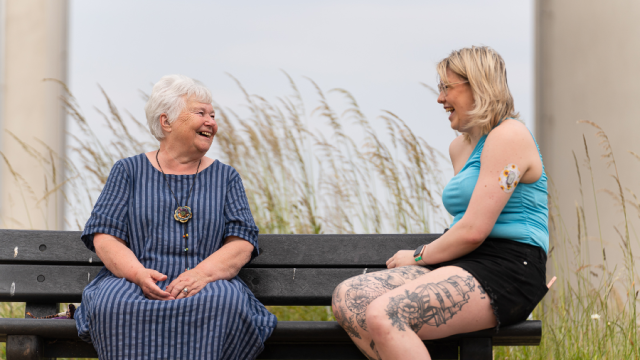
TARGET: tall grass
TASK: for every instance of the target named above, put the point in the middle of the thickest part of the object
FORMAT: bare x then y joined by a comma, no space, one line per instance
591,311
305,172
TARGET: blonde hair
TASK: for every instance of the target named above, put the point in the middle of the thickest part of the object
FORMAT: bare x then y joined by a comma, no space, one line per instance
486,72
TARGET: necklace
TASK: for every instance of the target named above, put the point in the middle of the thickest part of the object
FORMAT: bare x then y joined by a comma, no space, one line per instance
182,213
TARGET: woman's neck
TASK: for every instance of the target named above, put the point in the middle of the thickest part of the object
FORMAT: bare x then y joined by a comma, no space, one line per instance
474,134
174,161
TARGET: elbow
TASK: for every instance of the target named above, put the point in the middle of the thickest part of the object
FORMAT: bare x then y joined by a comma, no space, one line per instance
474,236
243,254
475,239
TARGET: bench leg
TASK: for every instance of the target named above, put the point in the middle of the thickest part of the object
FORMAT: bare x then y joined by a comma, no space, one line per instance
476,349
25,347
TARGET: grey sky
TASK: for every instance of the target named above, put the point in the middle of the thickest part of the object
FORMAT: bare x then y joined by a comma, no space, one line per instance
378,50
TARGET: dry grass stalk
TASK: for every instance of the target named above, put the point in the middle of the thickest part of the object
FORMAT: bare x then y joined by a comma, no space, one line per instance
301,180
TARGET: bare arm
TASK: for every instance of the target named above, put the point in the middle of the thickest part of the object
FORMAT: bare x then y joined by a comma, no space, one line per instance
223,264
122,262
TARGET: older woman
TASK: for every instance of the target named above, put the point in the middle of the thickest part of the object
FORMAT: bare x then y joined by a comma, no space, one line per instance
489,268
173,228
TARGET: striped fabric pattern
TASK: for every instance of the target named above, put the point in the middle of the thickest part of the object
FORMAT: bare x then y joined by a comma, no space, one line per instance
224,320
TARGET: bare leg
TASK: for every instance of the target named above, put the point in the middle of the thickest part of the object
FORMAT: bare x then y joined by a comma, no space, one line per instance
444,302
352,297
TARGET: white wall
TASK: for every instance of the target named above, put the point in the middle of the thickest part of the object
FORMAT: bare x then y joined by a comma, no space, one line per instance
35,48
588,68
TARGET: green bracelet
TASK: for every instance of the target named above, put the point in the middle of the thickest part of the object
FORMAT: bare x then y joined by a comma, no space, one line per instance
418,258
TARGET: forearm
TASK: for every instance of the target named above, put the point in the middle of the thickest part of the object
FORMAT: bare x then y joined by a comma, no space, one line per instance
225,263
117,257
460,240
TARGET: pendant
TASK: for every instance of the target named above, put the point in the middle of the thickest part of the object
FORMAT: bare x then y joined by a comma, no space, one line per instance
183,214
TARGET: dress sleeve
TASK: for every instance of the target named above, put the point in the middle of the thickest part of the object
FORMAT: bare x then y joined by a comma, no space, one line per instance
109,215
238,220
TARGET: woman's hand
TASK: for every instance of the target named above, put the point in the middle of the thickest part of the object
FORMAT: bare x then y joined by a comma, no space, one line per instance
401,258
146,279
193,280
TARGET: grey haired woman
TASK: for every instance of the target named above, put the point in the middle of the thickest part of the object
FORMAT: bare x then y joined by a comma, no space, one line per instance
173,228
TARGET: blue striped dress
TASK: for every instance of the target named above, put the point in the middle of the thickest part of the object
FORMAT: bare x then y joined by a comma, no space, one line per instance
224,320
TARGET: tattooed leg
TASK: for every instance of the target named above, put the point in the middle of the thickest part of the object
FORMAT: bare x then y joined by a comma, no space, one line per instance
482,292
373,348
369,356
362,290
352,297
431,304
446,301
344,319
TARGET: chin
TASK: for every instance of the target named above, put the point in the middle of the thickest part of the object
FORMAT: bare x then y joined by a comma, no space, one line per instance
204,149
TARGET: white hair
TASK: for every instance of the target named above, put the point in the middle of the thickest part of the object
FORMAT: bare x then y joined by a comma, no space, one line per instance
169,96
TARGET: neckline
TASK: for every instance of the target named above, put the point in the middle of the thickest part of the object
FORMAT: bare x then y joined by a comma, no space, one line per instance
475,149
199,172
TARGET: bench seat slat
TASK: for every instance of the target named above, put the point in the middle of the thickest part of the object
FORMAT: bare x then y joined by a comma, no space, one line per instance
272,286
527,333
43,283
65,248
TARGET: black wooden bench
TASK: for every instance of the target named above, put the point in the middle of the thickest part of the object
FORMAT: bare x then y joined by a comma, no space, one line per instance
45,268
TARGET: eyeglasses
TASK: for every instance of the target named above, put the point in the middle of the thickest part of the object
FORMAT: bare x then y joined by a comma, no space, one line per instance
443,88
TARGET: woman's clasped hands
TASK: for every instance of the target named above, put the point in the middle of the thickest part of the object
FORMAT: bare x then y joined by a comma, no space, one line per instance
191,280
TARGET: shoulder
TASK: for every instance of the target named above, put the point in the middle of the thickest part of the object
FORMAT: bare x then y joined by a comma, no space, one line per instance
458,147
136,160
228,172
511,133
130,165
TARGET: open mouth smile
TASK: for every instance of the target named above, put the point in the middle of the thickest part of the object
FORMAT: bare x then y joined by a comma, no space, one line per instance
205,134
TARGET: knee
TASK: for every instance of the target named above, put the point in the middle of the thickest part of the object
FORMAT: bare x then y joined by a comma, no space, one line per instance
336,298
378,321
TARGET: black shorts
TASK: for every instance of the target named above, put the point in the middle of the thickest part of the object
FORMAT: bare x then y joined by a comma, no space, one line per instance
512,273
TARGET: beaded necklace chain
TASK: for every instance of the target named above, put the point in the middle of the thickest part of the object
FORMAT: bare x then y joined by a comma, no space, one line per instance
182,213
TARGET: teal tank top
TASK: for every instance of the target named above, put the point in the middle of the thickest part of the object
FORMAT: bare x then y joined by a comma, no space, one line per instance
525,217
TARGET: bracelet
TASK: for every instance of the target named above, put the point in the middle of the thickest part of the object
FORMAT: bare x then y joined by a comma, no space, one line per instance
424,250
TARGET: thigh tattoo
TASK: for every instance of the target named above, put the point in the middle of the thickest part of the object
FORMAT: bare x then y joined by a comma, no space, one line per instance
362,290
432,304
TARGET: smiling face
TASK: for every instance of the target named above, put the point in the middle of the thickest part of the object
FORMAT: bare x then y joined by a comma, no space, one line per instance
193,130
458,100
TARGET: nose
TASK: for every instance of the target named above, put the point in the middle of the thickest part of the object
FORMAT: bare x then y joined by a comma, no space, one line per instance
441,97
211,121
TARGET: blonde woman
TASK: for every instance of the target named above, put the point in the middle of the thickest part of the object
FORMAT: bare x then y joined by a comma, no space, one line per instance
489,269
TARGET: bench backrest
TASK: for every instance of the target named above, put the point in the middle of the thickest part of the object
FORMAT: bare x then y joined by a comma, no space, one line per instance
55,266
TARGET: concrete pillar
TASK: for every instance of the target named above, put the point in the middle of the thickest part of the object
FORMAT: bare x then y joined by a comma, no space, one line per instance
35,48
588,68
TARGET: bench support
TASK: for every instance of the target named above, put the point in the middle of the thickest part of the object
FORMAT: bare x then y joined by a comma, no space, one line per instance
25,347
476,349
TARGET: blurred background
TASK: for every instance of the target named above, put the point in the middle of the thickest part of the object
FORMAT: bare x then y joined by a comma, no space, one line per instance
276,65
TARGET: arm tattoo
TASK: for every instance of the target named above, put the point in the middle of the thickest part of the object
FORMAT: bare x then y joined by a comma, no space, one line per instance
432,304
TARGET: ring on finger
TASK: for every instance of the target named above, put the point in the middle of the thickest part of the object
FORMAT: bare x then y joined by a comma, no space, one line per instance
185,291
